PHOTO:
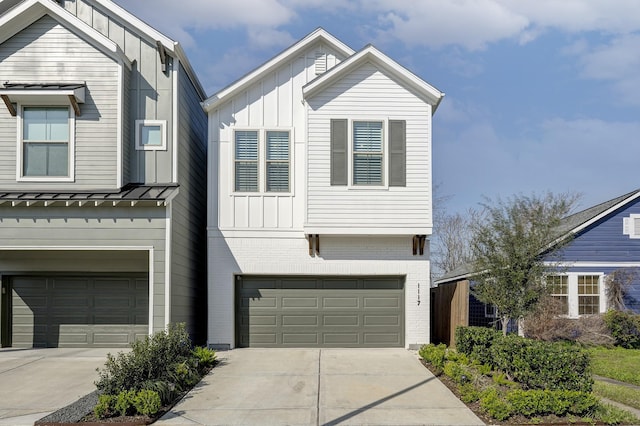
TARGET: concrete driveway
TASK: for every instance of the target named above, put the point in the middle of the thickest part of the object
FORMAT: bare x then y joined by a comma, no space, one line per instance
320,387
36,382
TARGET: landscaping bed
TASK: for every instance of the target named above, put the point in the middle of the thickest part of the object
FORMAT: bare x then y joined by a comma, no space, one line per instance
140,386
513,380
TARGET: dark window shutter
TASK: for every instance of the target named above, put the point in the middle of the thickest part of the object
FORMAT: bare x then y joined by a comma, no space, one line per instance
397,153
339,160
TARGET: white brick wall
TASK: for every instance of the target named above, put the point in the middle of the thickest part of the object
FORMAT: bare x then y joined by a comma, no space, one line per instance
289,255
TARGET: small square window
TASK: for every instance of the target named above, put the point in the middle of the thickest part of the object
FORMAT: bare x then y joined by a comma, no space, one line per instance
151,135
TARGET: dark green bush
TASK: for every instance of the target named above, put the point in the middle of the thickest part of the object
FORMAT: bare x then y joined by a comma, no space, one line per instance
206,357
434,354
476,342
543,402
150,359
624,327
543,365
147,402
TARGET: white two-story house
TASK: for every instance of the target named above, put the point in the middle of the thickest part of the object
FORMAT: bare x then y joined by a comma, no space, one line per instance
102,177
320,196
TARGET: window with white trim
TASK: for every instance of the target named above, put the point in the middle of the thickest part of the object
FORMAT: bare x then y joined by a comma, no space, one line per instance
559,290
151,135
46,147
368,153
262,161
581,293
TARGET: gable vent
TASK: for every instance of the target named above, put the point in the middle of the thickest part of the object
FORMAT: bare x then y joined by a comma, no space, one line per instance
321,63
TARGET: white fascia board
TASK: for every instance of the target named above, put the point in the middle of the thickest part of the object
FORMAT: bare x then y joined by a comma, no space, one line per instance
318,35
29,11
370,54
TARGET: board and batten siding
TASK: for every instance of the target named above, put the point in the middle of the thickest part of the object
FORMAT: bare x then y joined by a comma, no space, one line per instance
150,92
273,102
188,214
102,229
369,94
48,52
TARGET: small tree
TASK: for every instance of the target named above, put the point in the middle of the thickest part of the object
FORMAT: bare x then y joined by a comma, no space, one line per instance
452,238
512,246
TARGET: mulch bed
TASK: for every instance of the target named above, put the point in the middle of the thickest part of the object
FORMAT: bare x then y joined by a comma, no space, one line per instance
550,420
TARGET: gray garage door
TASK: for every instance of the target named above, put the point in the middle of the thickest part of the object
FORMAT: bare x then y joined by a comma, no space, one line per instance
73,311
320,312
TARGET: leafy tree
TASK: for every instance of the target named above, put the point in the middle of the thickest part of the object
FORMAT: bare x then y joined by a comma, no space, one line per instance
513,246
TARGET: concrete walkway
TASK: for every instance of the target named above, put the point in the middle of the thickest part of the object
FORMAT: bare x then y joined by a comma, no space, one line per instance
320,387
36,382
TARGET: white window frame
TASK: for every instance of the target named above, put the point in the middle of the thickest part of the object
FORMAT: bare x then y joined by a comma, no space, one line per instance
573,296
385,156
628,227
140,124
262,161
20,177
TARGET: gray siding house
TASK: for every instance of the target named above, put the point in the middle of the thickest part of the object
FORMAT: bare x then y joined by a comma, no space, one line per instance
102,178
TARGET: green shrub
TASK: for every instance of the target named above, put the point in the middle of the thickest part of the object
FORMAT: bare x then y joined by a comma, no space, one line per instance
206,357
434,355
147,402
543,402
469,393
543,365
148,360
184,374
624,327
459,373
124,402
168,391
104,407
495,406
476,342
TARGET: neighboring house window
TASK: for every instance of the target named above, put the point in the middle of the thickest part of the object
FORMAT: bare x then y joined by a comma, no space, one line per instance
559,290
367,153
359,150
151,135
588,294
490,311
580,293
631,226
46,142
249,166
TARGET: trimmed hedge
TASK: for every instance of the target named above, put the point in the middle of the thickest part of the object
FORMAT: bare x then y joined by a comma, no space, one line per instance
532,363
476,342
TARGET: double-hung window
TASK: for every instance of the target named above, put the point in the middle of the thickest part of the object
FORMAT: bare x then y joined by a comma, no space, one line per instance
579,293
368,153
262,161
559,290
46,142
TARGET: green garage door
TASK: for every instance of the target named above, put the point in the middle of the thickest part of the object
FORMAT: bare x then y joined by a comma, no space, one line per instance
74,311
320,312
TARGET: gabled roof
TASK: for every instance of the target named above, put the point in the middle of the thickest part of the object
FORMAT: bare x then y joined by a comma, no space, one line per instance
22,14
319,35
369,53
570,225
29,11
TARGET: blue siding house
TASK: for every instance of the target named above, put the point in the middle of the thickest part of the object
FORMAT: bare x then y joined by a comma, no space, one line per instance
605,238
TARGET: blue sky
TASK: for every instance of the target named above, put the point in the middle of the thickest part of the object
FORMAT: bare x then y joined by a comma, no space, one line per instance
541,95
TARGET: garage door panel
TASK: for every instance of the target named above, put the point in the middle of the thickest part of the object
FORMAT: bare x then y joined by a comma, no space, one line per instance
337,312
78,311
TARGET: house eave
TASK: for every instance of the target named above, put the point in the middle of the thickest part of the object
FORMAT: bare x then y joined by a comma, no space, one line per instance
319,35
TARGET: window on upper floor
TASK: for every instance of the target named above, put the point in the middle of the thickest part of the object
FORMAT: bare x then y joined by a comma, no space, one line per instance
578,293
368,153
45,151
151,135
262,161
